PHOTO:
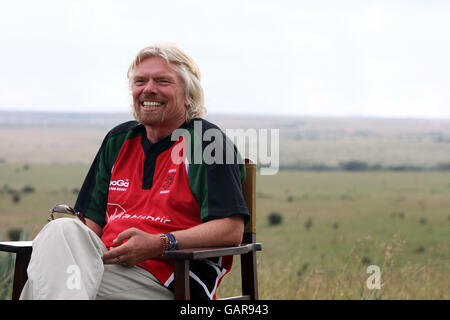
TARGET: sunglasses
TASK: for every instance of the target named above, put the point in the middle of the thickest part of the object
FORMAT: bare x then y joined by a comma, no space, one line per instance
62,209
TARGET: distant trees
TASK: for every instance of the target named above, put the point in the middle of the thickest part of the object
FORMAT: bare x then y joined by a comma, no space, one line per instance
354,165
442,166
16,195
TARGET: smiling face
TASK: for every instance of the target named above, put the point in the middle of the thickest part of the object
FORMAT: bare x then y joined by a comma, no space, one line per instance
158,97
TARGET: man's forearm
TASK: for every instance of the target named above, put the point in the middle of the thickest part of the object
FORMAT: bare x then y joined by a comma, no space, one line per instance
142,246
214,233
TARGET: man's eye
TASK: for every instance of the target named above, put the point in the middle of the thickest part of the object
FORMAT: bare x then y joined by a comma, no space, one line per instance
139,81
163,81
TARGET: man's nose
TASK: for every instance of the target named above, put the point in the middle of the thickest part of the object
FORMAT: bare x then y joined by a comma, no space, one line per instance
150,87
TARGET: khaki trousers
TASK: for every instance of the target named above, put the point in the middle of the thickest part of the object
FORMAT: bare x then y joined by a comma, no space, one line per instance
66,263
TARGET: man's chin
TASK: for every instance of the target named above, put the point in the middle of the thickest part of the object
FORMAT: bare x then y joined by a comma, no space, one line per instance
147,120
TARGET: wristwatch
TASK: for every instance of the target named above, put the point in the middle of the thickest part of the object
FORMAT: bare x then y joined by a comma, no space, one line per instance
173,243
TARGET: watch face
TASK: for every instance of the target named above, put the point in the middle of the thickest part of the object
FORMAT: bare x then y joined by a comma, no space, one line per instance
173,243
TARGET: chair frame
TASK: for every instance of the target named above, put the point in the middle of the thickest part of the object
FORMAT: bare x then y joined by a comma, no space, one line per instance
22,249
247,251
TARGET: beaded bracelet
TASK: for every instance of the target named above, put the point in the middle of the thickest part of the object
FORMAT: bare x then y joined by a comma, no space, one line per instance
164,243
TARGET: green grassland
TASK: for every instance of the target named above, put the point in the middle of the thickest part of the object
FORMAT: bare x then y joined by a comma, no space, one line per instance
52,184
334,225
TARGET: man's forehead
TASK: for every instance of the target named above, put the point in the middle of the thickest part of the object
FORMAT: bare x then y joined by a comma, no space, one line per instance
155,66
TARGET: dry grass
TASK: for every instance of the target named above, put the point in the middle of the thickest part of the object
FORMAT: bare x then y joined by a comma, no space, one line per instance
334,225
369,226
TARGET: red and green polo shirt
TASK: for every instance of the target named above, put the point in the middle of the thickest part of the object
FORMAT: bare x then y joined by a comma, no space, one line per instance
134,183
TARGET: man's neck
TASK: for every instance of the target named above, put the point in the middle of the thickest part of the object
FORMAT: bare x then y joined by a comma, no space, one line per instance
157,133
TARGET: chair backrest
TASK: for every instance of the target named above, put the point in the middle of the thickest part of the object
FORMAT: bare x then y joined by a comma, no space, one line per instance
249,192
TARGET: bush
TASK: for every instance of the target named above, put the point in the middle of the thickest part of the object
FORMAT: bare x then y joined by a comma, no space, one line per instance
28,189
275,218
14,234
308,224
16,198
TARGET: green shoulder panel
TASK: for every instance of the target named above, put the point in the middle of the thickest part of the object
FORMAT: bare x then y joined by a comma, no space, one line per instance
93,197
206,179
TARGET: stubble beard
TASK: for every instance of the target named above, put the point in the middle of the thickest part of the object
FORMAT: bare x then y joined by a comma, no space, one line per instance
146,119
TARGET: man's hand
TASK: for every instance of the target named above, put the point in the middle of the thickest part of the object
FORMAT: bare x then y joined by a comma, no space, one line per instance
139,247
142,245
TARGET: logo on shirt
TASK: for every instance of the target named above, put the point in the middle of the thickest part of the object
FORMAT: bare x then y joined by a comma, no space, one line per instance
119,185
116,211
168,181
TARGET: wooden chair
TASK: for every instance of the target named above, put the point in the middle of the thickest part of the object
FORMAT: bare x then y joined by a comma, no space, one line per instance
247,251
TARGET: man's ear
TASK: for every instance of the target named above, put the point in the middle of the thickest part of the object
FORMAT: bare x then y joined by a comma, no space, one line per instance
187,103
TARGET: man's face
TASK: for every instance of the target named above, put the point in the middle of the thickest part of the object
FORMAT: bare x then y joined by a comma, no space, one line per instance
158,95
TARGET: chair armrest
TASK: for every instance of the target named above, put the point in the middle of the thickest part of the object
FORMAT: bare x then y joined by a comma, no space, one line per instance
213,252
23,251
16,246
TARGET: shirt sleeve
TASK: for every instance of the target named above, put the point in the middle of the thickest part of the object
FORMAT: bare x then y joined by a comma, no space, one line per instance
217,186
93,196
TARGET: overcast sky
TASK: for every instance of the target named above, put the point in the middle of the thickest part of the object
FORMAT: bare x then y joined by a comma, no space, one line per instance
339,58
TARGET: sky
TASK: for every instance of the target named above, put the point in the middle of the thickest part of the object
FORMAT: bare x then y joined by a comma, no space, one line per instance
342,58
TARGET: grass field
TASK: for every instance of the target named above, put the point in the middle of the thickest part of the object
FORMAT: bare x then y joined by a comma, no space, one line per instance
334,225
337,224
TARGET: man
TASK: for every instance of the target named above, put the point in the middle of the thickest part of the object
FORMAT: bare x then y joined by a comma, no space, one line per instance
146,192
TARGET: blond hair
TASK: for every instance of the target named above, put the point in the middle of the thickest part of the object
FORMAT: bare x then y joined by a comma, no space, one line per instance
186,68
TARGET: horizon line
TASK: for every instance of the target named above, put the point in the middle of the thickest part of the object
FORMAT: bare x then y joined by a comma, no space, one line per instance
352,116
